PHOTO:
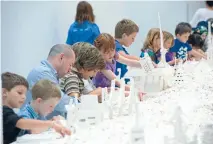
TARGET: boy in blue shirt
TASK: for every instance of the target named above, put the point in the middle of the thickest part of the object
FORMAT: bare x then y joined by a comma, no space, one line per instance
125,33
181,48
45,95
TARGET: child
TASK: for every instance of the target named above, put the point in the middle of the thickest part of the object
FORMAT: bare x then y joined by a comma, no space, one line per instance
45,95
84,28
14,88
88,62
196,43
105,43
125,33
181,47
168,43
152,44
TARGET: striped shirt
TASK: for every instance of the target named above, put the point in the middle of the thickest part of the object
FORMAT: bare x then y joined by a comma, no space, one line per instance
72,82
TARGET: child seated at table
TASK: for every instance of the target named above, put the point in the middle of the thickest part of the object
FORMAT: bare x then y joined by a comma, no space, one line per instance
46,96
152,44
105,43
181,48
168,42
88,62
14,88
196,42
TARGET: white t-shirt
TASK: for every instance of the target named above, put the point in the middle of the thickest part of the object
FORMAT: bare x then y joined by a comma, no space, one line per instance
202,14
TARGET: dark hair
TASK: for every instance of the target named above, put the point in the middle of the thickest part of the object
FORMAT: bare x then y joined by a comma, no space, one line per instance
88,57
11,80
183,28
105,42
209,3
84,12
195,40
125,26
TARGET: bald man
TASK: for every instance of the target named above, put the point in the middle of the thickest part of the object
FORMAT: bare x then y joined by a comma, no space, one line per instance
58,63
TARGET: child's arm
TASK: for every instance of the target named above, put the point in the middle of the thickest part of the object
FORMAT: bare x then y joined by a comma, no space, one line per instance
129,62
197,54
129,56
37,126
96,91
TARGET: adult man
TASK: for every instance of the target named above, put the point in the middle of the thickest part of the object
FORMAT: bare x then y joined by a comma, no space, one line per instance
59,62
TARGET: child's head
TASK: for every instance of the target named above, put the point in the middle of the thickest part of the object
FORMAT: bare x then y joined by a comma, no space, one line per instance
84,12
152,39
126,30
196,41
168,40
45,95
105,43
88,59
183,31
14,88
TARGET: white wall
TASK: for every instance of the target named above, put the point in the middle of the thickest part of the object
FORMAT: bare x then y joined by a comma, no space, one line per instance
29,29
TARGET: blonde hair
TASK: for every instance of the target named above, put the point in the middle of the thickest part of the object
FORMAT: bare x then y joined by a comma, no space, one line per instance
167,36
148,43
45,90
125,26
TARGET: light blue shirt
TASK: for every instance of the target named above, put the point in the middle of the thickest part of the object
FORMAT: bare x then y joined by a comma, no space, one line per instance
46,71
27,112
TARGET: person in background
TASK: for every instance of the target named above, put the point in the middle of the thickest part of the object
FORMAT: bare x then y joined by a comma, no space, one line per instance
14,88
202,14
84,28
201,29
125,33
46,96
58,63
152,44
181,48
88,62
196,42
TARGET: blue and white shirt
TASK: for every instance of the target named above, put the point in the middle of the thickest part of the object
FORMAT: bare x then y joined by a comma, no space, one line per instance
180,49
82,32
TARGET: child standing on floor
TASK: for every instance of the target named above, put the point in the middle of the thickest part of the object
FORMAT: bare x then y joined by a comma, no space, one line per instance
152,44
14,88
84,29
46,96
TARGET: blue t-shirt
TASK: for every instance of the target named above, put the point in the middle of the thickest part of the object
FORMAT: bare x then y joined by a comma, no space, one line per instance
123,67
180,49
27,112
82,32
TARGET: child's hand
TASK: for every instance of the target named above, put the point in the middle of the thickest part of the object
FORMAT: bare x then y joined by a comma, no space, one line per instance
140,96
155,65
61,129
58,118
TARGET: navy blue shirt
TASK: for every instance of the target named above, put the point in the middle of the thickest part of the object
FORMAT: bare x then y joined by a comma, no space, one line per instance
180,49
82,32
123,67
